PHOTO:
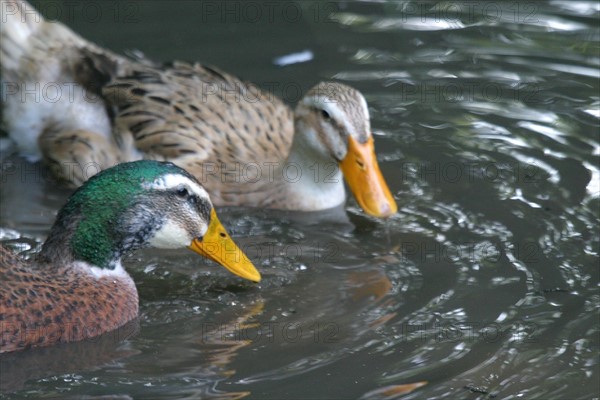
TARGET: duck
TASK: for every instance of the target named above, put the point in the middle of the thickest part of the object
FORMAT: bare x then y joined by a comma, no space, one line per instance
76,287
94,108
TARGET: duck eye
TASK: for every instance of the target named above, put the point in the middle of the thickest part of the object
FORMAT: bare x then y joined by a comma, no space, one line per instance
325,114
182,192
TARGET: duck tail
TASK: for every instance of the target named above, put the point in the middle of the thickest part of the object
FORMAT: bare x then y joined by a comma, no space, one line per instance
51,79
33,48
19,22
26,35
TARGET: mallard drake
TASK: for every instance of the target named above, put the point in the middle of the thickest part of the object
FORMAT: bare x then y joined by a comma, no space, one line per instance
76,287
96,108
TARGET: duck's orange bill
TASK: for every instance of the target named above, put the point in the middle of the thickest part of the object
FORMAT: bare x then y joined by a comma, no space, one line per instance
218,246
362,173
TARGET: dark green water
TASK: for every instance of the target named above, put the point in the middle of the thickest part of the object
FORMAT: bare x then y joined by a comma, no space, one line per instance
486,118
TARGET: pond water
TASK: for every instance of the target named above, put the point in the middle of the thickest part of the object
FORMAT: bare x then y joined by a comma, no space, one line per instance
486,282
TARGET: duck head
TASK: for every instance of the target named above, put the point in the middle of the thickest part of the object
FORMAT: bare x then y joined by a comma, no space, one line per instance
333,120
141,204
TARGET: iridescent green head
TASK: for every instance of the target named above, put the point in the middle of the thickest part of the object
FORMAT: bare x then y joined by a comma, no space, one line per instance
140,204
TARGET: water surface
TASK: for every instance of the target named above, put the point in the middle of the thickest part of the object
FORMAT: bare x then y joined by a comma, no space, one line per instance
486,117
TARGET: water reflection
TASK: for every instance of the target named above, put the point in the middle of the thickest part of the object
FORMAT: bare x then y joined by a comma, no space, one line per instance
65,359
485,283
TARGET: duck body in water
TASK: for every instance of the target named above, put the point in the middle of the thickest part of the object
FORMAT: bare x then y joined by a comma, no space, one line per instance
76,287
244,145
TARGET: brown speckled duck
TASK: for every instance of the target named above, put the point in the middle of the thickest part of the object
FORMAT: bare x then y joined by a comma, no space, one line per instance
244,145
76,287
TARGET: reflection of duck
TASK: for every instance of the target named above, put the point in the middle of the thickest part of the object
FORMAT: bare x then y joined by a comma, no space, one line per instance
76,287
19,368
245,146
220,345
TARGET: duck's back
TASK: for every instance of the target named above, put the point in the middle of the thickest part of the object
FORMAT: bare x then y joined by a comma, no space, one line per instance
228,133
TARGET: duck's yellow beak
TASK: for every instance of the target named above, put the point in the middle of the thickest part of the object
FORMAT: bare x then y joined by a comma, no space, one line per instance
362,173
219,247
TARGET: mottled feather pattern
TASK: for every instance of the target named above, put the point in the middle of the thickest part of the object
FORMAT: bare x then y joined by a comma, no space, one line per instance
44,304
200,119
75,287
233,137
208,113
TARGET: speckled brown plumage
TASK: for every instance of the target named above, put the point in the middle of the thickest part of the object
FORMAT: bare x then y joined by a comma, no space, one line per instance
76,287
42,304
236,139
196,117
